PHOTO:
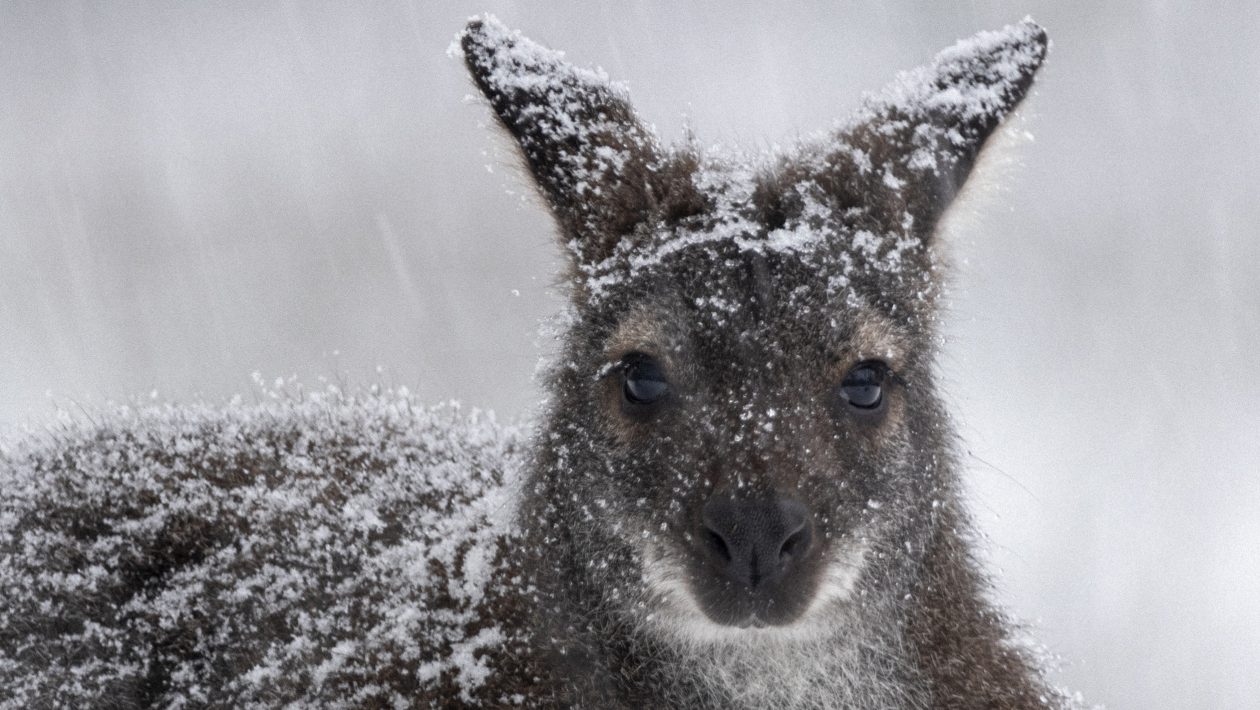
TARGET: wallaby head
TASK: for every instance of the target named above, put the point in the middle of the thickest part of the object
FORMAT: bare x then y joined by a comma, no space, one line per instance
745,448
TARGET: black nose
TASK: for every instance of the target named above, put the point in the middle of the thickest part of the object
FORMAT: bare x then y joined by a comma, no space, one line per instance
754,542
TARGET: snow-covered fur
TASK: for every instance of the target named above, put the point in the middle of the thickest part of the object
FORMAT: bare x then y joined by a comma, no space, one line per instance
329,551
743,493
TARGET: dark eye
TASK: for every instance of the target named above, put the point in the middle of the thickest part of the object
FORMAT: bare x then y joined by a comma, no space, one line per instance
863,387
645,381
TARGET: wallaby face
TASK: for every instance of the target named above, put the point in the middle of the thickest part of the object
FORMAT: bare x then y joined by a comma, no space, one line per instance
758,432
745,445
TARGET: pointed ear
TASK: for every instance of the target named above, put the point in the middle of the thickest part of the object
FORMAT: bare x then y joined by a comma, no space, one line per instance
919,139
590,156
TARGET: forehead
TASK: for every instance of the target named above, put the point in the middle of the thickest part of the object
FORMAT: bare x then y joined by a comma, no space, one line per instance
770,234
771,266
749,304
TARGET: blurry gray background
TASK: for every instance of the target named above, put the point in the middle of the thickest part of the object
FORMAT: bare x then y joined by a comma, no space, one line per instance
192,193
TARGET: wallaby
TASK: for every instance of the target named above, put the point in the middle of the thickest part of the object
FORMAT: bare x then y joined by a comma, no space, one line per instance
744,491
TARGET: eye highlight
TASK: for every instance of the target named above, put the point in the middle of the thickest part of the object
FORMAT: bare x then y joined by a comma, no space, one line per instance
863,387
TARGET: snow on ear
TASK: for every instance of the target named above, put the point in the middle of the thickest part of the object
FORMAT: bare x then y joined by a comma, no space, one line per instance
919,139
588,152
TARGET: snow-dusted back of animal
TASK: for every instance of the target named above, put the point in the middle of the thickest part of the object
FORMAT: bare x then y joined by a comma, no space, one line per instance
332,551
743,492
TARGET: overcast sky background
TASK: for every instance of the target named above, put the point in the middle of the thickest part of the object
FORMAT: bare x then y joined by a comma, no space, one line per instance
192,193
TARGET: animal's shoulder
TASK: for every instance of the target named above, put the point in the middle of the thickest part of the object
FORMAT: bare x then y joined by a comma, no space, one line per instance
331,551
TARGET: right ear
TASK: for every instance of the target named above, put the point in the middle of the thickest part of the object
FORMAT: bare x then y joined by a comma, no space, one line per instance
921,137
587,151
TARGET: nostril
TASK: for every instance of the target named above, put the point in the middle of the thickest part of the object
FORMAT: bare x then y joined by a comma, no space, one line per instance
795,545
717,545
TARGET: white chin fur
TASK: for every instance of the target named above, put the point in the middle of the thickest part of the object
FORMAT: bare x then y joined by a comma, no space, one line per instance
675,615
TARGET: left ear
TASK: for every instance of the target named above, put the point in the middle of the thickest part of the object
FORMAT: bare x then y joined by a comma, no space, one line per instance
919,139
589,154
